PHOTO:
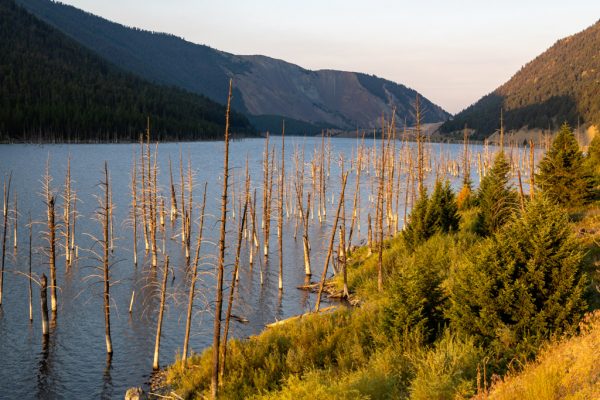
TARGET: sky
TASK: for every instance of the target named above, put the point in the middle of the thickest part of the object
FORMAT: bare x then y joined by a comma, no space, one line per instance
452,52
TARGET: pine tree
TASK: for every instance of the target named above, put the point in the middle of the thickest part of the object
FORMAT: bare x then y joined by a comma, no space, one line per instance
438,213
563,177
497,201
521,285
592,160
418,230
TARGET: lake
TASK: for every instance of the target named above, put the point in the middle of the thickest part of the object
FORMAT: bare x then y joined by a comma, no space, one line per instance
72,363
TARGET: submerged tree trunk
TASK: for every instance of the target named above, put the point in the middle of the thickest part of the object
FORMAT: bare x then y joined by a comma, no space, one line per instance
44,304
161,309
221,260
5,224
232,288
29,274
105,261
188,320
329,250
280,221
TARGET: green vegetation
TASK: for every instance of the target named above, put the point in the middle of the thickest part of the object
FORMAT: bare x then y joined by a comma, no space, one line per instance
496,198
459,305
431,215
567,369
521,285
559,85
563,175
51,88
592,163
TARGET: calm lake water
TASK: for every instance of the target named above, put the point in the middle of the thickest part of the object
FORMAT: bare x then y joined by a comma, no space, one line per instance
72,364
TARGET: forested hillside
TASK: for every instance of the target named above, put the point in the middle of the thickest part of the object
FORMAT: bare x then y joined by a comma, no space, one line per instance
562,84
267,89
51,88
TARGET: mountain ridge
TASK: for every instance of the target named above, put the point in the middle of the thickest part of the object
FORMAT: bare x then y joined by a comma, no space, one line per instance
265,86
52,88
560,84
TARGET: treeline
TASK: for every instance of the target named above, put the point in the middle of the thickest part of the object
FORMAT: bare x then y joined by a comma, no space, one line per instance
559,85
53,89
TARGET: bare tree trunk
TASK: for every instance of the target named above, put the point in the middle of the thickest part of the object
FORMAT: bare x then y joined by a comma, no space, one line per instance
105,261
173,196
221,261
521,195
5,225
143,190
134,209
380,208
161,309
52,254
280,222
531,169
232,289
188,320
329,250
29,275
305,240
67,214
16,222
44,304
355,204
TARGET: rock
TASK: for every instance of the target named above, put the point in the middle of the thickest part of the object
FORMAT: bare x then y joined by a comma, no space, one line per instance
135,393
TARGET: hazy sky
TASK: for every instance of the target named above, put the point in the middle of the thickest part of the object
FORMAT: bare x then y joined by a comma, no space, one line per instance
453,52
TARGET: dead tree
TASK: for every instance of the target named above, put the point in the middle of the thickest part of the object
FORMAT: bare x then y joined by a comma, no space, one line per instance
280,221
330,248
531,169
44,304
188,320
29,274
134,208
50,203
161,309
221,258
15,222
232,287
67,199
105,219
4,227
173,196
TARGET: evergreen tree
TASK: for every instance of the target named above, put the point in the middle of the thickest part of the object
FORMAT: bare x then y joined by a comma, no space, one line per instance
497,201
563,176
418,229
438,213
521,285
592,160
443,209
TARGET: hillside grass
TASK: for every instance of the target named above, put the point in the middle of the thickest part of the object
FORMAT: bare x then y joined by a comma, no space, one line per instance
567,369
396,344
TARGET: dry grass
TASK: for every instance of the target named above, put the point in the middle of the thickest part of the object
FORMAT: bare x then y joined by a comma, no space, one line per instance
569,369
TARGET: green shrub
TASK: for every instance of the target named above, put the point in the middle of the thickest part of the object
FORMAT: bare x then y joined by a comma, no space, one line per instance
446,370
522,285
562,176
497,201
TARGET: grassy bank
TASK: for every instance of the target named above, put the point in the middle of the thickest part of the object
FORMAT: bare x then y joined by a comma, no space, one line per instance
399,343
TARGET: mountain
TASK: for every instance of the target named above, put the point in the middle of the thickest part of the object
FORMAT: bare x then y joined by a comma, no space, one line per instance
52,88
267,89
561,84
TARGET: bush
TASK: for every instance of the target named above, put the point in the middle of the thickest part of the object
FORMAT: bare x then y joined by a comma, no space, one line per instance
522,285
447,370
497,201
563,176
438,214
